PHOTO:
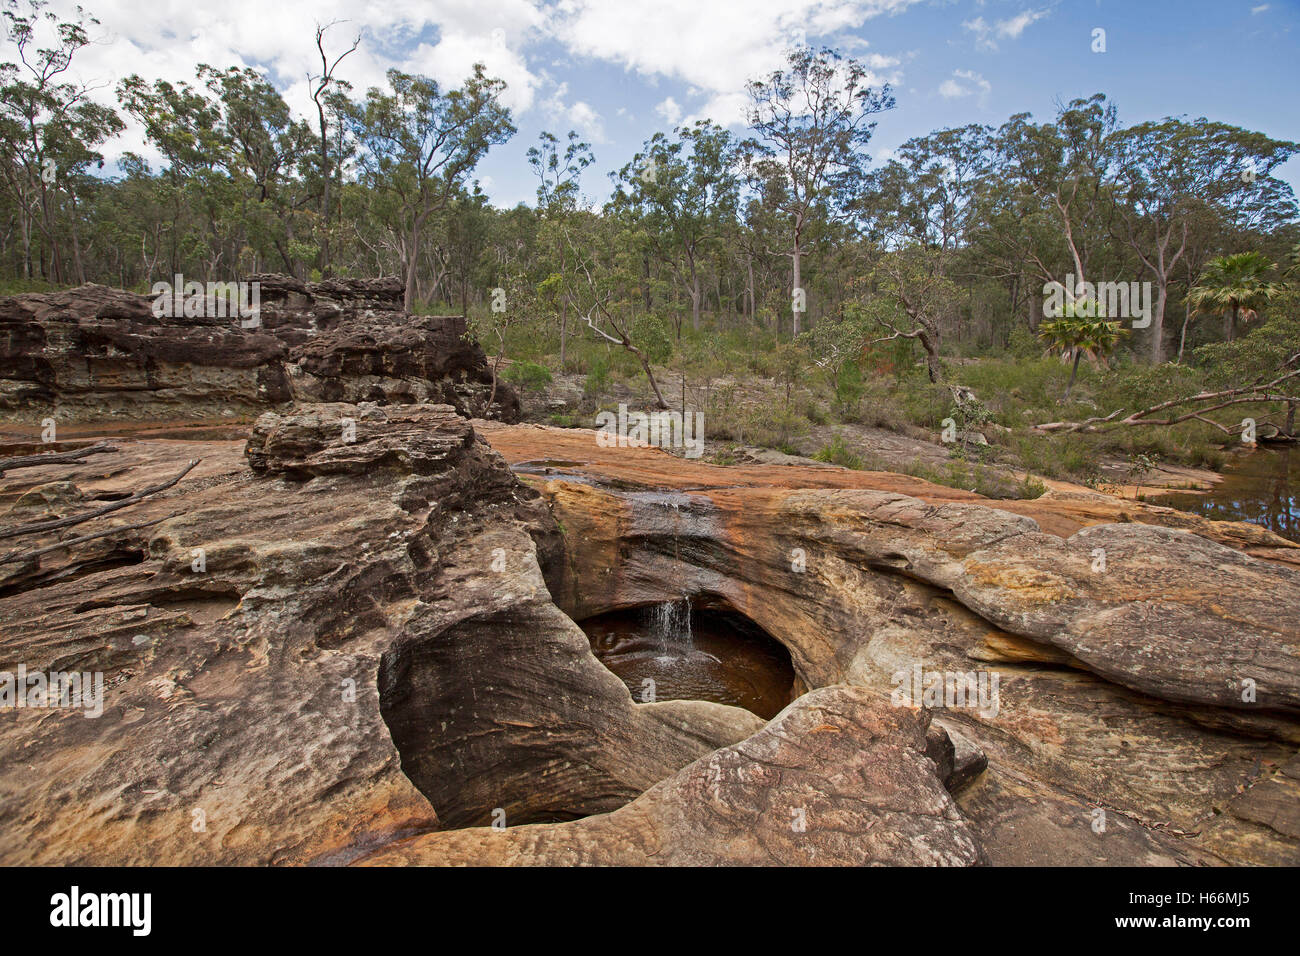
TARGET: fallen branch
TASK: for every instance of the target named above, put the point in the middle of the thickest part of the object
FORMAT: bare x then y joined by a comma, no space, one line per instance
37,552
1245,394
54,457
106,509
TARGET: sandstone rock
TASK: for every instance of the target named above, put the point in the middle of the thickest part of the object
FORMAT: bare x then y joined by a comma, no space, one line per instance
958,757
250,696
835,779
96,354
1117,688
400,359
380,649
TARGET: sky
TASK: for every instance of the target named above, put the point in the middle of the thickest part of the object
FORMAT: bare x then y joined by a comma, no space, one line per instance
618,71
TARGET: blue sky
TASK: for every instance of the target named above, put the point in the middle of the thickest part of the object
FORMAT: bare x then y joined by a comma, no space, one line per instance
619,71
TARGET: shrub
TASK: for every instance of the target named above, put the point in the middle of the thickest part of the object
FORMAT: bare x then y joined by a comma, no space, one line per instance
837,453
528,375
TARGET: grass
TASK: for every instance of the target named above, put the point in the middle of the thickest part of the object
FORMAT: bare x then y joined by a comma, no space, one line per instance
740,377
837,453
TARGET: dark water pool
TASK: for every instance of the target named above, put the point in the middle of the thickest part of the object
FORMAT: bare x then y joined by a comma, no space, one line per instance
693,654
1262,487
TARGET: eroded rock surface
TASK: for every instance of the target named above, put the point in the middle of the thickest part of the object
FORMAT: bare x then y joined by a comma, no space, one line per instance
836,779
351,638
100,354
245,698
1159,691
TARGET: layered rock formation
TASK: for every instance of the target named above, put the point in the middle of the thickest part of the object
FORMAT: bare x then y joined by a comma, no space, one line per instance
351,639
253,642
95,354
836,779
1147,676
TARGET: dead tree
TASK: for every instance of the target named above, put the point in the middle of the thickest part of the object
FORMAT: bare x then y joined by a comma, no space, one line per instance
1205,402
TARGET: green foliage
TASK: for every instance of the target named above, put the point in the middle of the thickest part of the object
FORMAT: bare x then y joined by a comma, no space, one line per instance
1235,282
837,453
1031,487
528,375
597,380
1260,352
1022,343
653,337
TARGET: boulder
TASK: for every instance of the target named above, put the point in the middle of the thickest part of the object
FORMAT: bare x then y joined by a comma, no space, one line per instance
95,354
836,779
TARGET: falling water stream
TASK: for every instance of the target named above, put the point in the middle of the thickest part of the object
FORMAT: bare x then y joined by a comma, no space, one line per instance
693,654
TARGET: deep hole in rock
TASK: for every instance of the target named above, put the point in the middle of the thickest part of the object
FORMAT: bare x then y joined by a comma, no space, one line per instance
694,653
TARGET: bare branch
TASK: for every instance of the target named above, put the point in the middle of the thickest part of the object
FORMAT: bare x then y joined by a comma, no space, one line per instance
106,509
57,546
53,458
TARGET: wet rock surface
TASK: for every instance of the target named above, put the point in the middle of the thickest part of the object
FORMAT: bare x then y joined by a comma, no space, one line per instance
350,638
1160,690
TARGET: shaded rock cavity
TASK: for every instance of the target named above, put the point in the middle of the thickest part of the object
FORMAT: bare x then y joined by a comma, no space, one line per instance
674,651
507,718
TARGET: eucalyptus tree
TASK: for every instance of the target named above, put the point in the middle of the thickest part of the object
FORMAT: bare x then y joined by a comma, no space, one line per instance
812,122
420,144
558,181
1167,171
605,287
683,191
1059,175
234,154
49,126
329,93
917,215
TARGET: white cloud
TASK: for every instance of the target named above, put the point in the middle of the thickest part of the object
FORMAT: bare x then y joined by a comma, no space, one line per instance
1259,9
986,34
1016,25
952,89
713,46
587,121
580,115
670,110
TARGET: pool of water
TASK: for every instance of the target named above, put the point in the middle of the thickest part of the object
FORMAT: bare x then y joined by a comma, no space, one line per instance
1262,487
693,654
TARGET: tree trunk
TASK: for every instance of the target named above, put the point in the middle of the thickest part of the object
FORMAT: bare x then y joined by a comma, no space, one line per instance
1074,371
753,304
794,292
412,257
564,331
1158,323
648,374
695,300
325,194
1182,338
932,367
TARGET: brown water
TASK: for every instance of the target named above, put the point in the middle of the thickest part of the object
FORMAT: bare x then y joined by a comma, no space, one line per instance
693,654
1262,487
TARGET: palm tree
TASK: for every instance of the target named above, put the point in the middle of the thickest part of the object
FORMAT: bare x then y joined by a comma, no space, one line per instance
1232,283
1079,334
